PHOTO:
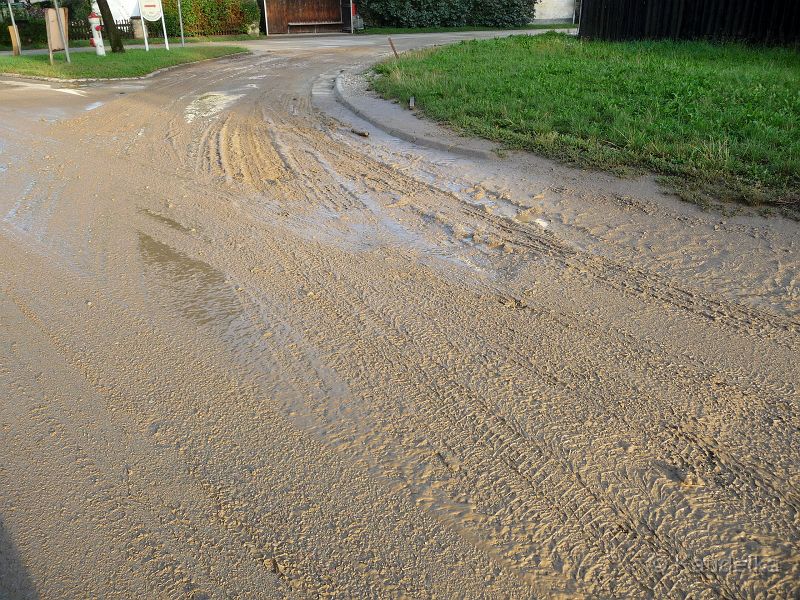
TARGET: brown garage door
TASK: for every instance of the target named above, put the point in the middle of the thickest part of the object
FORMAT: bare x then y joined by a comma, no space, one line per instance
299,16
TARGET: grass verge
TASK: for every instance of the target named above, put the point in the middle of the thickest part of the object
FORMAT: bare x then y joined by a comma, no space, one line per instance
239,37
131,63
719,122
402,30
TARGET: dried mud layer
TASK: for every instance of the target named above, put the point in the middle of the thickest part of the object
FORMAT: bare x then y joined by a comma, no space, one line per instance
248,354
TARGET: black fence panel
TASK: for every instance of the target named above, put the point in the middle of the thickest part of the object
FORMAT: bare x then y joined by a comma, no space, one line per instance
759,21
80,30
125,28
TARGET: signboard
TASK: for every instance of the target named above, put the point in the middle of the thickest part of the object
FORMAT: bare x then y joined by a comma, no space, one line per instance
57,26
151,10
55,41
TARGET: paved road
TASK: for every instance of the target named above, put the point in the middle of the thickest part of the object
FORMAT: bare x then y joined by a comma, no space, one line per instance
246,353
316,42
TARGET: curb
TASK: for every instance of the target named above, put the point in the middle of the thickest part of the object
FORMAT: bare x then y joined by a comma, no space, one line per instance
341,97
139,78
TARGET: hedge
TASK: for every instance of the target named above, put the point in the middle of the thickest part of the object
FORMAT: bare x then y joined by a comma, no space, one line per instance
31,33
446,13
31,24
210,17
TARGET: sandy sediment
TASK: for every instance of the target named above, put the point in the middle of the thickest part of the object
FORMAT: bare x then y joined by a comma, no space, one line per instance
271,358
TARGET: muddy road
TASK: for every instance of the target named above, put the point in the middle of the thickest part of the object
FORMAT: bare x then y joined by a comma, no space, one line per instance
247,354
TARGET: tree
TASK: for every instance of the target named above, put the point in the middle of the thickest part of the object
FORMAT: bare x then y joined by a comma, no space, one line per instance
110,26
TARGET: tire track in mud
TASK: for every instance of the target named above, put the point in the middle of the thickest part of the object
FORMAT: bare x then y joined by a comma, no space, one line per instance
449,399
292,559
633,281
384,180
550,248
120,512
544,245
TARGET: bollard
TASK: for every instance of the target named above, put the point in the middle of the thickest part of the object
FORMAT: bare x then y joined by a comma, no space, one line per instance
97,31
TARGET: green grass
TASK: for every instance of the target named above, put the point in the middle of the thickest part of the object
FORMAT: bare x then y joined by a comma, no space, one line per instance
239,37
402,30
132,63
718,122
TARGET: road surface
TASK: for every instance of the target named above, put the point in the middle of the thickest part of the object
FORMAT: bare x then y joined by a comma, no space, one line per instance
248,354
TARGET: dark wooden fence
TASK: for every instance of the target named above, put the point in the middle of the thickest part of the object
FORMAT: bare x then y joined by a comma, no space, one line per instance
304,15
80,30
761,21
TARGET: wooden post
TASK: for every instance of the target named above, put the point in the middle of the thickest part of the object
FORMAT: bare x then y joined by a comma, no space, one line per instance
180,20
62,29
14,34
16,43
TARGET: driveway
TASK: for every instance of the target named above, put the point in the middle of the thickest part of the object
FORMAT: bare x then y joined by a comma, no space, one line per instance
247,354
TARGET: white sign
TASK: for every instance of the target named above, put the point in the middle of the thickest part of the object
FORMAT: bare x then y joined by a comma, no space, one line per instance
151,10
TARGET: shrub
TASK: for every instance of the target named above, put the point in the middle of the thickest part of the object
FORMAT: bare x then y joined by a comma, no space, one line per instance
31,24
510,13
417,13
447,13
210,17
31,32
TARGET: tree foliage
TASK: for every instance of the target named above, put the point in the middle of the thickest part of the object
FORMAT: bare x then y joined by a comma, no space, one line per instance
447,13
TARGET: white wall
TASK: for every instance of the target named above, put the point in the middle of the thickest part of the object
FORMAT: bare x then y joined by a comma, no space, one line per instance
123,9
554,10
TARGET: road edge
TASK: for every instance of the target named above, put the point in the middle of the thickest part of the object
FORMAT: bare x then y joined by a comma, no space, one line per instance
403,122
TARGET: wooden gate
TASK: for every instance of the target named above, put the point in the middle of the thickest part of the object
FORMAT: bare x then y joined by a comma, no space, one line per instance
304,16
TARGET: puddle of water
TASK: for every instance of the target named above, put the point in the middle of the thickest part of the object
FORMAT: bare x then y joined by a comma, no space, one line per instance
31,212
542,223
173,224
208,105
370,238
93,105
198,290
44,87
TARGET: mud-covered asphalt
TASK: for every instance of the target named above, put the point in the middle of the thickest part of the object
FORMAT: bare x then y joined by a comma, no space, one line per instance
247,354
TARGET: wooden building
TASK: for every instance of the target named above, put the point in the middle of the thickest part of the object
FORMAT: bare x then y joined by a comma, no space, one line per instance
307,16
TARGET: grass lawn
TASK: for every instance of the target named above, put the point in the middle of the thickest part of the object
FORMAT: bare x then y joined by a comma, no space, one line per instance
131,63
719,122
240,37
400,30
